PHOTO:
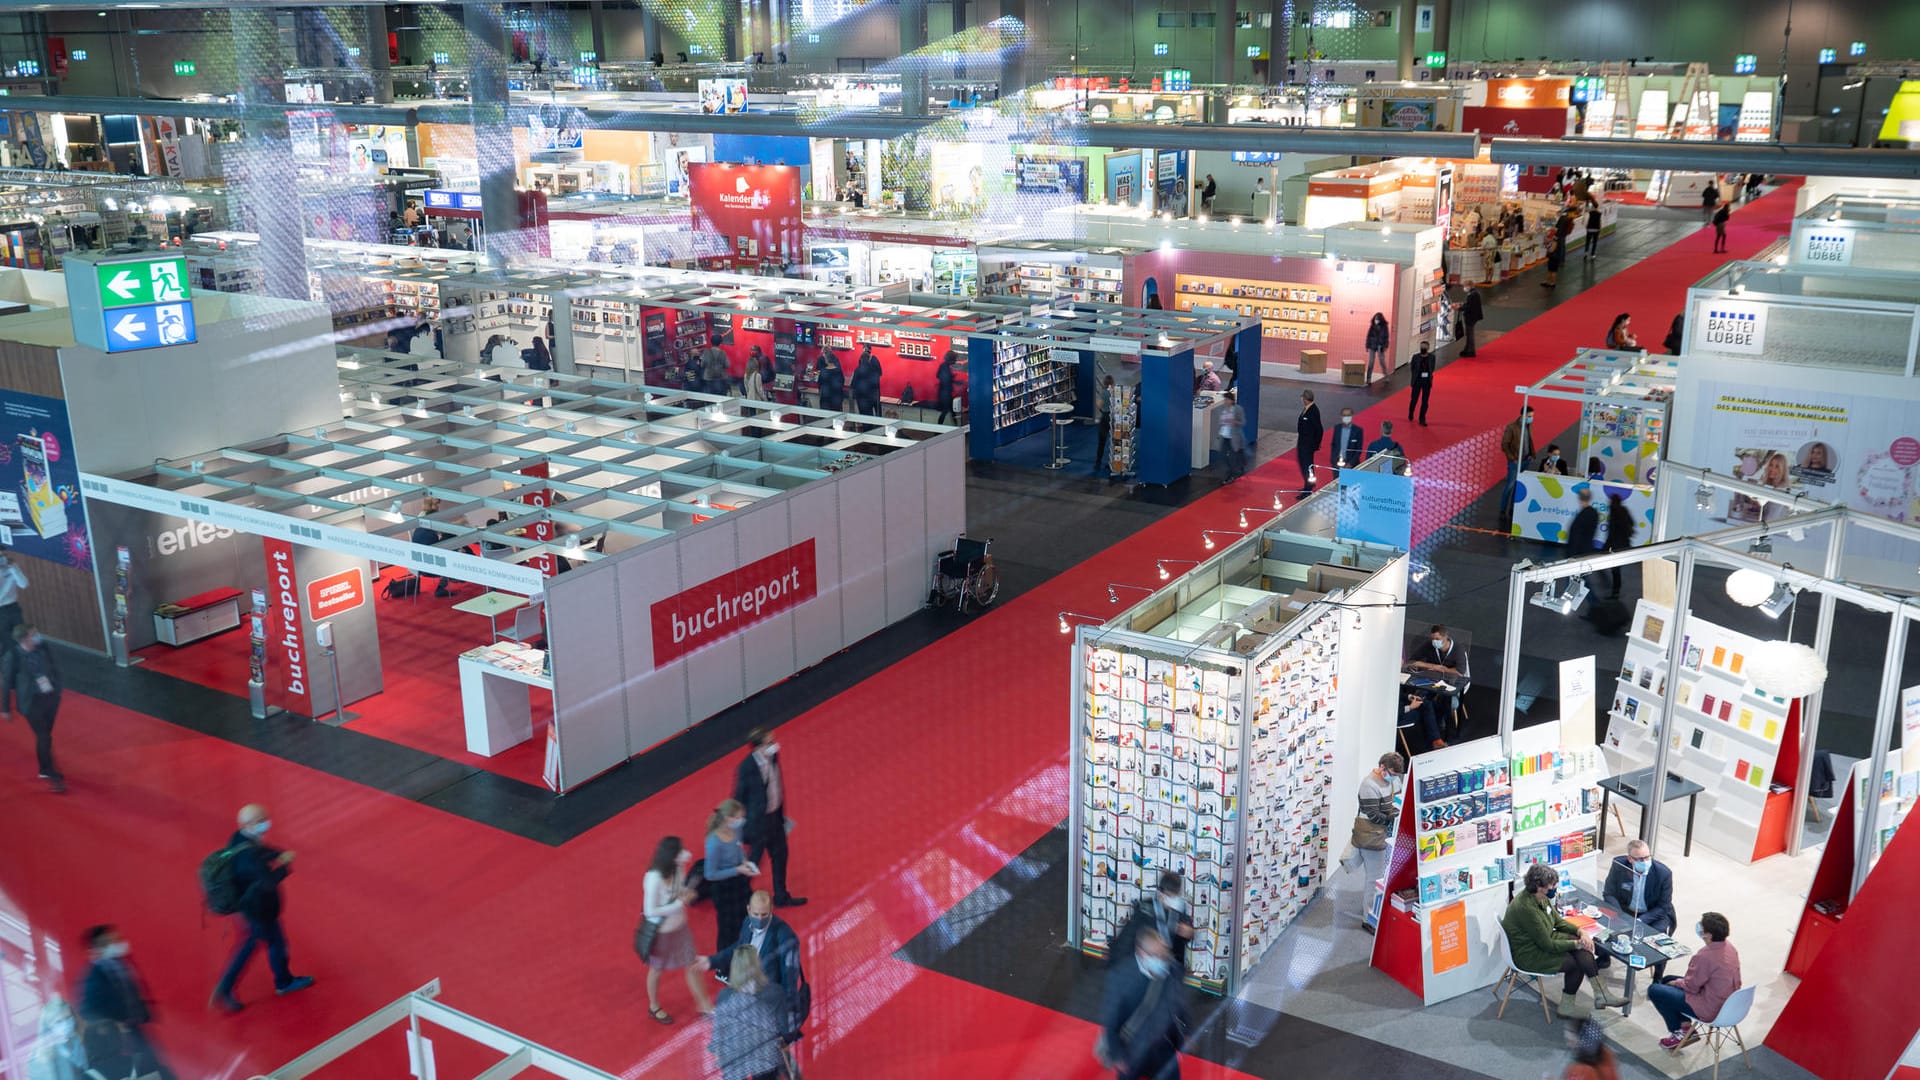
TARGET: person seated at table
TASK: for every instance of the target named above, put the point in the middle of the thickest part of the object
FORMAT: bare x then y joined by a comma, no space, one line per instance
1553,461
1544,942
1640,886
1442,659
1417,712
1713,974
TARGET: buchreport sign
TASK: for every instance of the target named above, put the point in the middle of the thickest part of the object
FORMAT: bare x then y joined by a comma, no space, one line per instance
718,609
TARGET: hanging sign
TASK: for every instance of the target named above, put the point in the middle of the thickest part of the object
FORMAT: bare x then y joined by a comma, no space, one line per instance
1732,326
119,304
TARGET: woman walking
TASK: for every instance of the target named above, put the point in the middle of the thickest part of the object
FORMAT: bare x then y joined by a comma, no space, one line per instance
747,1026
1378,338
728,870
665,907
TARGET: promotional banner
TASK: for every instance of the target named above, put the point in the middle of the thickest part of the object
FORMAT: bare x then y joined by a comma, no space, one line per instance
556,127
722,607
1050,176
1855,449
1126,179
1544,505
723,95
1494,123
288,670
1407,115
1548,93
1576,701
41,514
1171,178
956,179
754,209
1375,508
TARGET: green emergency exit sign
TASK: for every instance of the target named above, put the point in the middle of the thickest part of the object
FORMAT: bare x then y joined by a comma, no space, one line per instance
185,67
1436,59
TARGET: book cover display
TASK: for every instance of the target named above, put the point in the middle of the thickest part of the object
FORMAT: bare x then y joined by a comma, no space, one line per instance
1730,734
1169,754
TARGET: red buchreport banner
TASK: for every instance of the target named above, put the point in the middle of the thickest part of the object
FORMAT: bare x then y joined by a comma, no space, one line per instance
718,609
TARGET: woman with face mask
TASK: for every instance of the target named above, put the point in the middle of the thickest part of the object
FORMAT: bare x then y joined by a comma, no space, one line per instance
1713,974
728,870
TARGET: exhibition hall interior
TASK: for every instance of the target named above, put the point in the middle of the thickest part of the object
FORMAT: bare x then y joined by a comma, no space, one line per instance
959,538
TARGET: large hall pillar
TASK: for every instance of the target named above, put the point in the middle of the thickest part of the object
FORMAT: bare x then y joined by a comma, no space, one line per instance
487,58
913,69
263,173
1223,27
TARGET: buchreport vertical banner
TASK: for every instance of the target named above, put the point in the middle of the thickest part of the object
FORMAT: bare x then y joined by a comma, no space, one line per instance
287,669
722,607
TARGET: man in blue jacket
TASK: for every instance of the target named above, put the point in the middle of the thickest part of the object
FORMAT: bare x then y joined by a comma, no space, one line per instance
1143,1018
1638,885
258,871
779,949
113,1002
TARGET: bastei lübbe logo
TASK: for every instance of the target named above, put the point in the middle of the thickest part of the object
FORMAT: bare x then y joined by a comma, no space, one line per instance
1830,248
1732,329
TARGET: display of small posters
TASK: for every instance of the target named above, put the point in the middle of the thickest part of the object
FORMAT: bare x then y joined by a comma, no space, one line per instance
723,95
1825,245
1756,117
1732,326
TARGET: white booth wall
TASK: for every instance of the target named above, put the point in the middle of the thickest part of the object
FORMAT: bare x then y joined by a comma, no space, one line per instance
1817,189
1817,320
876,529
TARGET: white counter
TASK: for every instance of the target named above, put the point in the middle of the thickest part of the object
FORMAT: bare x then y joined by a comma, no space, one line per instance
1206,410
499,713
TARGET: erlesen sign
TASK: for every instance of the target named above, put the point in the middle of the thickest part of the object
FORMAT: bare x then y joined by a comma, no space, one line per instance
1732,326
336,593
718,609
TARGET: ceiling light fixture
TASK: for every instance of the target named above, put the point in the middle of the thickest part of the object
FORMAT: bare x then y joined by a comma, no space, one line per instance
1161,565
1206,536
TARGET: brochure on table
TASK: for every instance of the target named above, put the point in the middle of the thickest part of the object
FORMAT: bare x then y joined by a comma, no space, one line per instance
1730,734
1470,824
1168,749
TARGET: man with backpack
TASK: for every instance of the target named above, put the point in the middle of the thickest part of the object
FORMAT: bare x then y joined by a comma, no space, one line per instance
243,879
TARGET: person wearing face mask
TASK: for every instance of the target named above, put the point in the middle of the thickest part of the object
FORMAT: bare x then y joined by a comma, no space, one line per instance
759,785
258,871
1713,974
1165,912
1143,1014
30,680
1543,941
779,949
1642,887
1516,442
1349,442
728,870
115,1007
1373,825
1421,386
1441,659
1309,431
1553,462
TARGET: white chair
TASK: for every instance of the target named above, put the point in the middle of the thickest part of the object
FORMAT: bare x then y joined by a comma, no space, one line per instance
1726,1025
1517,975
527,623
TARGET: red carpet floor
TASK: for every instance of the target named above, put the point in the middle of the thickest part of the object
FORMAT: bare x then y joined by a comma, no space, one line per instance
903,806
1457,456
420,642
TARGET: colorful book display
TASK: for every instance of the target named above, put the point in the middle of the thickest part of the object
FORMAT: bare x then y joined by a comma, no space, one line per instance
1161,775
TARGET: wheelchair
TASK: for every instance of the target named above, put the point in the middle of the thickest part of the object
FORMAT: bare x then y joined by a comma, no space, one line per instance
965,575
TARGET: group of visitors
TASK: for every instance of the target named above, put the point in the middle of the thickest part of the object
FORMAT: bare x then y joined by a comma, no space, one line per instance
756,954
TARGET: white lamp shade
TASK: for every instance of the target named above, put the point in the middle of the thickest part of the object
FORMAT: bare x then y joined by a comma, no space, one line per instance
1791,669
1748,587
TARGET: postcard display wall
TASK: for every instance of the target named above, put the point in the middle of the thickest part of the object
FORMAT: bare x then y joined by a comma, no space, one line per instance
1166,754
1730,734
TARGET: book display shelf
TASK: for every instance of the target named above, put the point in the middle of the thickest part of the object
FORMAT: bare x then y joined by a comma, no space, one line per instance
1730,734
1288,310
1556,802
1203,762
1026,376
1448,871
1123,442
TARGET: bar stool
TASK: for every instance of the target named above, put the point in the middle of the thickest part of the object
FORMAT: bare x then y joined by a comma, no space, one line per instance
1061,414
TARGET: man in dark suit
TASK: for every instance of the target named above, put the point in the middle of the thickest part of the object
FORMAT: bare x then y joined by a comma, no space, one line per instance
1422,384
113,1002
1164,912
1471,312
1442,659
30,681
1641,886
1310,432
759,786
258,871
1584,528
1144,1014
1349,442
779,949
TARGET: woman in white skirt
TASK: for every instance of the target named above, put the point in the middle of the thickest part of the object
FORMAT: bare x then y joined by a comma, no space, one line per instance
666,902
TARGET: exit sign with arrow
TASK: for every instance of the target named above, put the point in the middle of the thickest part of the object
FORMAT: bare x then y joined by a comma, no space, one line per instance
119,304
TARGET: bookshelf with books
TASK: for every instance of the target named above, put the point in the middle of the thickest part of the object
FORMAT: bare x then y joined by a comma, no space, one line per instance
1204,762
1556,802
1287,310
1026,376
1730,734
1448,871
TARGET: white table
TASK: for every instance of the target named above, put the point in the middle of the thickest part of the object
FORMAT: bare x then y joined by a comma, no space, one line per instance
492,605
498,702
1057,416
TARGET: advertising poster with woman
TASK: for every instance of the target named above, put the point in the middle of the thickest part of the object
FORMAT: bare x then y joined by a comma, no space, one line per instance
1859,451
